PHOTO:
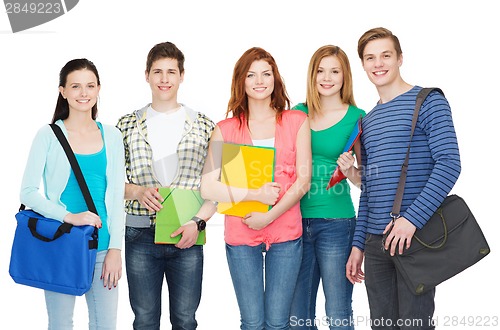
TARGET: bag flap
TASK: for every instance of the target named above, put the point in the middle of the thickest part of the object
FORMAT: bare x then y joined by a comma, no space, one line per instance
454,211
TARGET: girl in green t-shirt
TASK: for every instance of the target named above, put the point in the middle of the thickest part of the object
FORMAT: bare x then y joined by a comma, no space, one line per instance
328,215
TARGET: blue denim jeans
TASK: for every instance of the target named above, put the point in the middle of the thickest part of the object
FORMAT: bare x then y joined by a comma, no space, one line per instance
327,245
264,282
147,264
102,304
392,304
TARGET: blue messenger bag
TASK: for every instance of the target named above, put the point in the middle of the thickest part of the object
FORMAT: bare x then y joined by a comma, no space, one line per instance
53,255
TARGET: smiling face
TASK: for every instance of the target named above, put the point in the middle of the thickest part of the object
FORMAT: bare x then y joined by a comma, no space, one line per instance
164,78
330,77
259,82
81,90
381,62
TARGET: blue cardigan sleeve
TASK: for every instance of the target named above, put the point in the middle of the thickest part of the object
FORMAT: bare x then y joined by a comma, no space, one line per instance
36,170
116,186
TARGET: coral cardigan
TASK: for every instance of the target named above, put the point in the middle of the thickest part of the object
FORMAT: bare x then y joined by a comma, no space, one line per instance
288,226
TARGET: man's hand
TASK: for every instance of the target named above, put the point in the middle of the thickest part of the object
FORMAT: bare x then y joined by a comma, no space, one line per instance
353,270
400,235
189,232
150,198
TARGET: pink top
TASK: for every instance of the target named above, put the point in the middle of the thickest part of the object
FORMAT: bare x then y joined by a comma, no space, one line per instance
288,226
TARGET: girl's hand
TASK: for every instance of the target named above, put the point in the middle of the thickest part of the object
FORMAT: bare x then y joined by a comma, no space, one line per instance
345,162
269,193
256,220
83,219
112,268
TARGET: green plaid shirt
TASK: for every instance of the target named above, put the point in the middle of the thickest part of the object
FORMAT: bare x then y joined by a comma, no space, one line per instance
191,150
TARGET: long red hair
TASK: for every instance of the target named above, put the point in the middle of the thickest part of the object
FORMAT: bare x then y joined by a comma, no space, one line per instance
238,103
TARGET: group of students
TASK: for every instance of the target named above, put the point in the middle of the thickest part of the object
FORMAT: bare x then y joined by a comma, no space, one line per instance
278,258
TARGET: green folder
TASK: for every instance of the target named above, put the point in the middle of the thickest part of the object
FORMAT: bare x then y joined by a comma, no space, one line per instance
179,206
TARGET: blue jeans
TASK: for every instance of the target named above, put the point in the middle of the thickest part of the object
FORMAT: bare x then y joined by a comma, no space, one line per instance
147,264
264,282
327,245
102,304
392,304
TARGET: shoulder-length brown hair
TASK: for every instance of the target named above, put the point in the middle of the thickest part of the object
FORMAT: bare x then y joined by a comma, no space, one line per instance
238,103
346,92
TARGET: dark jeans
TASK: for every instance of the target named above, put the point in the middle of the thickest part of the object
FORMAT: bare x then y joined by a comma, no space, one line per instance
147,264
392,304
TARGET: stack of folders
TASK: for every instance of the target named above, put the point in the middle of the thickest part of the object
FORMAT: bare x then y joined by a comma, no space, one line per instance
246,166
337,175
179,206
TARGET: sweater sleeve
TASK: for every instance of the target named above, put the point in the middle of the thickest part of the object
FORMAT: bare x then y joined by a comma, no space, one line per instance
436,121
362,218
116,182
31,196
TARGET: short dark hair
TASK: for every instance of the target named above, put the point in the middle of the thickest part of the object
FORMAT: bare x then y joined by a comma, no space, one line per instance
165,50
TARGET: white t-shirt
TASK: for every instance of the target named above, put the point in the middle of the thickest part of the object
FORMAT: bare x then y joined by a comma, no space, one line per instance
264,142
164,133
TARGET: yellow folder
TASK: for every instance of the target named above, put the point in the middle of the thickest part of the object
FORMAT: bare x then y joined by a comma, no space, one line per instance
246,166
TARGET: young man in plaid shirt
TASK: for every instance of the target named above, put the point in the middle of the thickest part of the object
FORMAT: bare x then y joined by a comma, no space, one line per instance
165,145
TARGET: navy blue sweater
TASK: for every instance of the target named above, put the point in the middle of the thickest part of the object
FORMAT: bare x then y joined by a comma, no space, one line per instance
433,169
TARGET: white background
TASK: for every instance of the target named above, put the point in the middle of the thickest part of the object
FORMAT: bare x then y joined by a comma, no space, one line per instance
449,44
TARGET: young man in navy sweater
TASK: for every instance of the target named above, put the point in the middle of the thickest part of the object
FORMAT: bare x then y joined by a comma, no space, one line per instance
434,167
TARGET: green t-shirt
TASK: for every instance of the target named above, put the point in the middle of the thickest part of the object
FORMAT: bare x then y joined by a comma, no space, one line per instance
327,145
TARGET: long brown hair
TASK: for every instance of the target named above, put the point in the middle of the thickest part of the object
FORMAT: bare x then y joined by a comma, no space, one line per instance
62,106
238,103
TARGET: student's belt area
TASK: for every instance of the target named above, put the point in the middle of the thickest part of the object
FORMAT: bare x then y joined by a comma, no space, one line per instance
144,221
140,221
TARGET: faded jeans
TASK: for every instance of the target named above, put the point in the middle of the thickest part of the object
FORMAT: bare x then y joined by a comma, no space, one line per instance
102,304
327,245
264,282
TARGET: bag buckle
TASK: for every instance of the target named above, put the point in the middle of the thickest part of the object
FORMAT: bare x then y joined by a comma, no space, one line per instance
394,216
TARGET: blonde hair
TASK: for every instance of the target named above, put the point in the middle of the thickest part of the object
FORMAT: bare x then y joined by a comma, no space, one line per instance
346,92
